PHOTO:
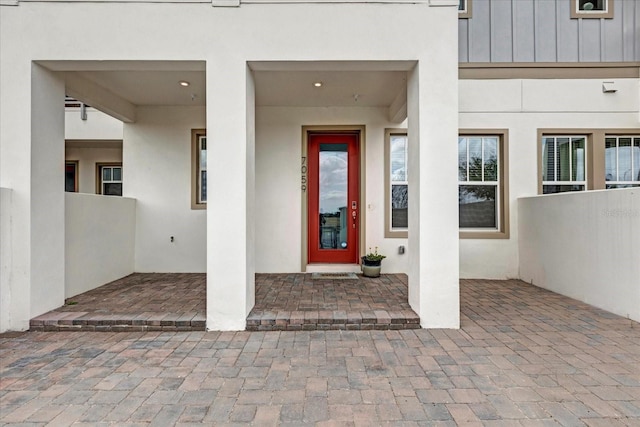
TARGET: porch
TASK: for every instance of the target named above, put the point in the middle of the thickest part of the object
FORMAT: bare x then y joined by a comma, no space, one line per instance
177,302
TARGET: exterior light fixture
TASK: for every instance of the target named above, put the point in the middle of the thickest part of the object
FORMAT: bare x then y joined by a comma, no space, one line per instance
318,84
609,87
184,83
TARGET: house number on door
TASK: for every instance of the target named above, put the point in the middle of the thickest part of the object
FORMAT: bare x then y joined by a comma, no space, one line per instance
303,174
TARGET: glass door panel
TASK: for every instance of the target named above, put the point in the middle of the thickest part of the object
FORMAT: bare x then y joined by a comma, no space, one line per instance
332,196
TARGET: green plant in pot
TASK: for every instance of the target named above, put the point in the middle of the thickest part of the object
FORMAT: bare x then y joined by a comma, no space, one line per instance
372,263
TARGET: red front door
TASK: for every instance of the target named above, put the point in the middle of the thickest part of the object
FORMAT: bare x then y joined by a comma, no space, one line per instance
334,200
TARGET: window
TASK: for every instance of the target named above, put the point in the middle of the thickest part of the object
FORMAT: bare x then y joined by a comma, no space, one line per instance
71,176
563,164
622,161
199,169
482,186
109,179
591,9
464,9
396,188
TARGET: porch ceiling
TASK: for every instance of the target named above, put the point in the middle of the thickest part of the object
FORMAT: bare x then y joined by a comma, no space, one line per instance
118,87
339,88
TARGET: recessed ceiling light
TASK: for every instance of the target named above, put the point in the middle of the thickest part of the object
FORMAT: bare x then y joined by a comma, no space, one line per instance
318,84
184,83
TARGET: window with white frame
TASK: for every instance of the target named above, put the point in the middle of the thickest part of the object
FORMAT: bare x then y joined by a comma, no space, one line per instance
479,190
110,179
199,169
396,183
622,161
591,8
564,163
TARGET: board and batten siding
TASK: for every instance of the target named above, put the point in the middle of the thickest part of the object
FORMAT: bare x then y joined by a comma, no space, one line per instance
543,31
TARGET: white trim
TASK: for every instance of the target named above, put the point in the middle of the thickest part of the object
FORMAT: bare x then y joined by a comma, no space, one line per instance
225,3
430,2
237,3
484,183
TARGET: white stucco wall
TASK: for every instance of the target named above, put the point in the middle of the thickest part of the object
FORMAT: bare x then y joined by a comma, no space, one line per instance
523,107
157,173
156,146
97,126
278,194
585,246
5,259
99,240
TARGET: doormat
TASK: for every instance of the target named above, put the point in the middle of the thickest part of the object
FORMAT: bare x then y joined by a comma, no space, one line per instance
334,276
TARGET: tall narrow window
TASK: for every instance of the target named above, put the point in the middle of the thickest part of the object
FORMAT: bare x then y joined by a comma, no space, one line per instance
71,176
563,164
199,169
397,182
110,179
622,161
478,182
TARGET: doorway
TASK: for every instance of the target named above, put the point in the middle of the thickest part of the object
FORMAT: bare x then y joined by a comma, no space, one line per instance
333,204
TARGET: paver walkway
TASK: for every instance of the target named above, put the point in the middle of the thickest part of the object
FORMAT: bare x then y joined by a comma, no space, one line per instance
176,302
524,357
138,302
296,302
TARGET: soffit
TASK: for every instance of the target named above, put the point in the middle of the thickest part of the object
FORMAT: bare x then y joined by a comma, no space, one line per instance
339,88
156,83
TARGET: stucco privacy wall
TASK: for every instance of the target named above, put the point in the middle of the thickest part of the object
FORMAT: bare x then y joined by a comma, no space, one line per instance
157,173
585,246
99,240
523,107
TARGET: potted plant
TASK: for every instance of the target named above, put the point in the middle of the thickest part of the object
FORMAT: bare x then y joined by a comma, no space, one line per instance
372,263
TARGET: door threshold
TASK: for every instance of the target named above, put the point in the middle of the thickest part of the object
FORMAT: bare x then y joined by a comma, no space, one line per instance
333,268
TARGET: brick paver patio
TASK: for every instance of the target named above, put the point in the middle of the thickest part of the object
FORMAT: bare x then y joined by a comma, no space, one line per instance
176,302
523,357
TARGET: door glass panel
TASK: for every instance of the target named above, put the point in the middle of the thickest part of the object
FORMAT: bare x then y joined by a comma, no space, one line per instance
332,194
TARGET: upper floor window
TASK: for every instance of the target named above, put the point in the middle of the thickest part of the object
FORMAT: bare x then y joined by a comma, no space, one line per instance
482,184
110,179
464,9
563,164
592,8
622,161
396,191
199,169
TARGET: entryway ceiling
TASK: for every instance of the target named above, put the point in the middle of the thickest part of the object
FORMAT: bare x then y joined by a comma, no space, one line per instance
157,83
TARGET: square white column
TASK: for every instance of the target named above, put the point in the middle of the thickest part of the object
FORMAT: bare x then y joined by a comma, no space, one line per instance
47,191
432,103
230,194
